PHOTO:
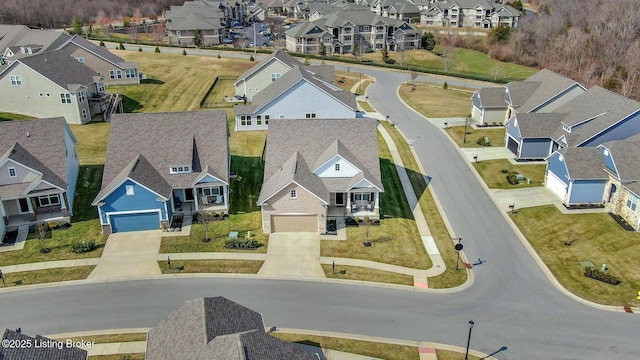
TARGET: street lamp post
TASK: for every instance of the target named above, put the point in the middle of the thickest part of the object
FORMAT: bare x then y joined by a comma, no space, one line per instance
466,354
466,121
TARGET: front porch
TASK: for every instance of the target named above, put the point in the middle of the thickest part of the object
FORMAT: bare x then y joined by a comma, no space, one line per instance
31,219
46,207
209,198
355,204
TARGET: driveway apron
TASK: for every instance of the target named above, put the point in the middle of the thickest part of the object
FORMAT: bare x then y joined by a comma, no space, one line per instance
293,255
129,254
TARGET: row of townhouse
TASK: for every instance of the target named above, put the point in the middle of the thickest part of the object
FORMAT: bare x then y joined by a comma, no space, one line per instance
469,13
342,31
590,138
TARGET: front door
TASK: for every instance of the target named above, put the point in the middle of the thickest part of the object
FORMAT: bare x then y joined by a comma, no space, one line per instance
612,192
339,199
188,194
23,205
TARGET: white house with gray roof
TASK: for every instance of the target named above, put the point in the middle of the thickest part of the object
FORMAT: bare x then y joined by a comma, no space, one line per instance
163,164
53,84
295,95
317,169
38,171
488,105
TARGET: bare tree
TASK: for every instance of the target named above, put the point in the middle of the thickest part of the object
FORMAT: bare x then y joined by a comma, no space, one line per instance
205,218
42,230
367,228
157,32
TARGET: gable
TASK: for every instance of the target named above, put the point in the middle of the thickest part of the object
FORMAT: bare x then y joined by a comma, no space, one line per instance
141,198
558,167
337,167
364,184
607,157
22,173
43,185
208,178
303,97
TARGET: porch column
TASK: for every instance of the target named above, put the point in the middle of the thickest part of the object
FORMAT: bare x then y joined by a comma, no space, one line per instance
63,205
377,200
195,197
225,191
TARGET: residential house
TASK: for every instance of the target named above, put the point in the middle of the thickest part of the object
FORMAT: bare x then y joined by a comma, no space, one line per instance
40,348
622,192
217,328
483,14
576,175
347,29
53,84
488,105
271,69
590,119
19,41
295,95
161,164
316,169
395,9
38,171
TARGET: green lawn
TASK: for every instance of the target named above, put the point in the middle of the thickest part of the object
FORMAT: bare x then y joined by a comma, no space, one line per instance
492,173
46,276
431,213
211,266
435,102
495,135
594,237
366,106
92,142
88,186
4,116
105,339
223,87
366,274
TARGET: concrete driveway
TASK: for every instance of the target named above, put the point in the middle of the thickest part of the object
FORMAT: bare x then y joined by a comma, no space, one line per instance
526,197
129,254
293,255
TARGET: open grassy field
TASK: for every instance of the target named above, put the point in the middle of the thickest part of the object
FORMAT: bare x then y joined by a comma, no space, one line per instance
366,274
439,231
211,266
174,82
46,276
435,102
594,237
495,135
492,173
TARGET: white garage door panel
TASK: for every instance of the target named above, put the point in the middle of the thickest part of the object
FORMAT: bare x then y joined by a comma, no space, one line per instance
557,186
294,223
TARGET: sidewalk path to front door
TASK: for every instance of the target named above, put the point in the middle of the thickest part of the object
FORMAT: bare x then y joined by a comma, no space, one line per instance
129,254
293,255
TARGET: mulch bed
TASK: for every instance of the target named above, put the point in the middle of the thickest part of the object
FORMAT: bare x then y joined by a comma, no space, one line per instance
622,222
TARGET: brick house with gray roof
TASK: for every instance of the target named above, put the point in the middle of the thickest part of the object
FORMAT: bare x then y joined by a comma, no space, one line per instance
316,169
217,328
38,172
163,164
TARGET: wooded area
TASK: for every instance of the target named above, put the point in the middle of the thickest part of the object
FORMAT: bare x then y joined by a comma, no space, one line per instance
596,42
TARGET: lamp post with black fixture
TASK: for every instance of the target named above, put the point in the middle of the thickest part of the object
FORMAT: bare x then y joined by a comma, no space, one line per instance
466,354
466,121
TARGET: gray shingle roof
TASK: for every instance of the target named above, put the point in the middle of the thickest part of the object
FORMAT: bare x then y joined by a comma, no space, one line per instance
101,51
196,138
584,163
625,154
540,87
534,125
290,141
61,68
493,97
44,149
15,36
278,55
55,351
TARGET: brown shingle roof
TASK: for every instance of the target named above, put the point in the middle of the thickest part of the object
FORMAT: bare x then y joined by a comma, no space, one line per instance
625,154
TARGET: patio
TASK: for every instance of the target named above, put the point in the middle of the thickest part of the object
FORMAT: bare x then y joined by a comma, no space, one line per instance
28,219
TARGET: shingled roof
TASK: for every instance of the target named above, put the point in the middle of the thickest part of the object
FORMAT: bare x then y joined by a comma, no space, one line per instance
526,95
584,163
256,345
325,73
143,147
100,51
534,125
625,154
492,97
55,350
62,69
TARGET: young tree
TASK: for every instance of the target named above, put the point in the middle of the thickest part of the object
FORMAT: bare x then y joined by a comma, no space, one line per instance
157,32
499,34
356,51
205,218
385,53
77,26
42,229
121,46
197,38
322,50
132,29
367,228
428,41
157,50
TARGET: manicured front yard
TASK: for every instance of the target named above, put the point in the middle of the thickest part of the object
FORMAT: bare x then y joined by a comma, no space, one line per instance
492,173
46,276
495,135
594,237
211,266
433,101
366,274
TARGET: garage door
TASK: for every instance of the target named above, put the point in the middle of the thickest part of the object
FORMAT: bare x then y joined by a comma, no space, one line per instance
512,145
294,223
557,186
135,222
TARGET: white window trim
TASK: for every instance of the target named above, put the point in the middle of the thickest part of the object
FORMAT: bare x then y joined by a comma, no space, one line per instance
293,193
12,170
185,169
47,198
16,80
336,167
632,202
130,191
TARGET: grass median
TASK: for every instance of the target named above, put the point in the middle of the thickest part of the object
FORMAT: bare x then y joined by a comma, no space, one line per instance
46,276
211,266
365,274
495,135
433,101
494,173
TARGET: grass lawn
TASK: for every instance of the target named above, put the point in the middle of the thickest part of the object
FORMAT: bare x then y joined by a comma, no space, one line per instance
105,339
92,142
246,148
596,238
4,116
366,348
118,357
224,87
366,106
396,241
496,136
440,234
366,274
435,102
219,232
212,266
174,82
491,172
452,355
87,187
46,276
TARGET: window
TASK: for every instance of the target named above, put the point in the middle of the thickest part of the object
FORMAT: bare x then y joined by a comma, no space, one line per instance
16,80
310,115
130,191
337,167
379,28
245,120
112,74
130,73
347,38
119,74
365,28
259,120
211,191
180,170
65,98
294,193
362,196
632,202
49,200
84,114
347,30
379,36
266,119
81,97
101,87
275,76
80,60
12,172
178,33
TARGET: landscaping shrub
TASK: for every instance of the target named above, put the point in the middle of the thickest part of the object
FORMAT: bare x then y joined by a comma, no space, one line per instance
121,46
505,171
157,50
390,61
184,52
512,178
81,247
139,49
601,276
102,43
350,222
484,141
241,244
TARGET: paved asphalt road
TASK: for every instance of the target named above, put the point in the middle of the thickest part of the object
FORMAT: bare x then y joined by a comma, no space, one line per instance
511,301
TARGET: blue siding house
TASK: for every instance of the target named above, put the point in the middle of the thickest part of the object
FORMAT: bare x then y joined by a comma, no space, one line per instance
164,165
576,175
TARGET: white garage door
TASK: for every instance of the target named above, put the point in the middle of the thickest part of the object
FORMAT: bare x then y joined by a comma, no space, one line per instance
557,186
294,223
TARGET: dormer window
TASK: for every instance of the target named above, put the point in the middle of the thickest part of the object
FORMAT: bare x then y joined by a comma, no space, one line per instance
180,170
566,128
